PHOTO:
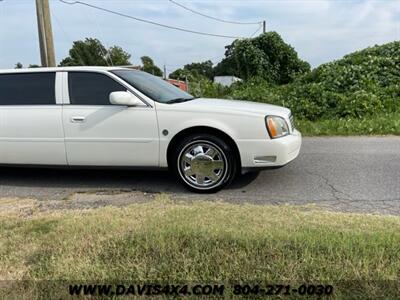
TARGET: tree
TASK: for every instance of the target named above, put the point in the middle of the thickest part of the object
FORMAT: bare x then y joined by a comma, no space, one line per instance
118,56
91,52
194,71
20,66
266,56
181,74
150,67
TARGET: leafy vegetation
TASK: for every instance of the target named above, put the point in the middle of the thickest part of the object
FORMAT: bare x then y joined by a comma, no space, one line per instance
206,242
359,85
91,52
194,71
381,123
208,89
19,65
359,93
150,67
266,56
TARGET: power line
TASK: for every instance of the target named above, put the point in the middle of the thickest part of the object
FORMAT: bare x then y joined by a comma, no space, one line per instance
107,55
66,35
213,18
148,21
259,28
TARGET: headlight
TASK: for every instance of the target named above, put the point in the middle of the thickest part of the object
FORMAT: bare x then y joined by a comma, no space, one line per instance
277,127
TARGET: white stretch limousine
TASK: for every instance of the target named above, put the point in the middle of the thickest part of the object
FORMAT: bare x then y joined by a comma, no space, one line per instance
116,117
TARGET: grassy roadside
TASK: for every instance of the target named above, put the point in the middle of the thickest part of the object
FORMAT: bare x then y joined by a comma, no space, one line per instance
172,241
383,124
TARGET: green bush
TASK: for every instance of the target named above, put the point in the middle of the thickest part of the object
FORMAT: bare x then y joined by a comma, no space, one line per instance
266,56
207,89
359,94
384,123
361,84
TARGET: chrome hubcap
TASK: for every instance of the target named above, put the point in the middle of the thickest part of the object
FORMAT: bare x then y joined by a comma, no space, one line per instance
202,164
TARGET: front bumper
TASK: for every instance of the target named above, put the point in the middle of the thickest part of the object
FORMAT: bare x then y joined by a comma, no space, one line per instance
271,153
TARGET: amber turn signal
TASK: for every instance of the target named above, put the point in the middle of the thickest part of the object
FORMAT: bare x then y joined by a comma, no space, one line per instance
277,127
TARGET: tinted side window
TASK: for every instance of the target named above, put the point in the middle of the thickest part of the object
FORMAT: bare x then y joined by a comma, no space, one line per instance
27,89
87,88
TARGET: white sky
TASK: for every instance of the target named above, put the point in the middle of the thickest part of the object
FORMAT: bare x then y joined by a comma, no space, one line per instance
319,30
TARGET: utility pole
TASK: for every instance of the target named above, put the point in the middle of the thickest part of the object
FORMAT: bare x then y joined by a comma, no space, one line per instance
45,33
187,84
165,71
264,26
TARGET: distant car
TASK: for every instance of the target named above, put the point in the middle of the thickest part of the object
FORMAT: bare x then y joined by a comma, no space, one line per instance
116,117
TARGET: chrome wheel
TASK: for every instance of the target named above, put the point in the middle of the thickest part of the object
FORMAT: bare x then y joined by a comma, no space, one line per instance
202,164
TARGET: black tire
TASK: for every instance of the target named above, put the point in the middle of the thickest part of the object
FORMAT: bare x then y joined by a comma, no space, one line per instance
224,156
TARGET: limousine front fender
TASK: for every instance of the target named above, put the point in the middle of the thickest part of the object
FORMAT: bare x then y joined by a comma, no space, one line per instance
244,130
174,124
180,130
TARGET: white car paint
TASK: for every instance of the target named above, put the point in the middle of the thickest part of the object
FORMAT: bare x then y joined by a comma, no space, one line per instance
111,136
65,134
32,135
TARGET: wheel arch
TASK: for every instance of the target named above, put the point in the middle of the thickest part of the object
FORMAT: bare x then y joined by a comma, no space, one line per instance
207,130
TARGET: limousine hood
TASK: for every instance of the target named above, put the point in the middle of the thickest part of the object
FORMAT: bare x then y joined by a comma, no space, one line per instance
225,105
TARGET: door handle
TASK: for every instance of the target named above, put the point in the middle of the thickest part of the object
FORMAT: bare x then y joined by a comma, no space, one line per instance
78,119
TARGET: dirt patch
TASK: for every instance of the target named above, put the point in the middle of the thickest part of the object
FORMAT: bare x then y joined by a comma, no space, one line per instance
18,207
76,201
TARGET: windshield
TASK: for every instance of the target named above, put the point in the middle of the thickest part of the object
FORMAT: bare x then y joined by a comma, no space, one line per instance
153,87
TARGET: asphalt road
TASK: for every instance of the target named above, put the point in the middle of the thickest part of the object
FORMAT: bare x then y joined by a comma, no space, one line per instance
357,174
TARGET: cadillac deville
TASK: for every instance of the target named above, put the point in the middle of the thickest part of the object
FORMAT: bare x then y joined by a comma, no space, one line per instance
118,117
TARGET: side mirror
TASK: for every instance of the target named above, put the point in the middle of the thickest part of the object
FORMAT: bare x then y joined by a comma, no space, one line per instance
124,98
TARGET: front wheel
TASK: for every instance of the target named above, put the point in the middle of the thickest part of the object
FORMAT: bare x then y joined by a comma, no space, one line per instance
204,163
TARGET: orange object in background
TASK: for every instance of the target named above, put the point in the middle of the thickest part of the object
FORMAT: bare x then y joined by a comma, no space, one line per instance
178,83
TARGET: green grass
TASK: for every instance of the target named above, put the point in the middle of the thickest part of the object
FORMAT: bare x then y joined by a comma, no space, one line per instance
383,124
203,242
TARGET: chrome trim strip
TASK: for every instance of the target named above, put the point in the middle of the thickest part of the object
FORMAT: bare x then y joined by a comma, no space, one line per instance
109,140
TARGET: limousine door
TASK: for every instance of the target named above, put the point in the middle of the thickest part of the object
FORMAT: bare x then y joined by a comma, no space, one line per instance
31,130
98,133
